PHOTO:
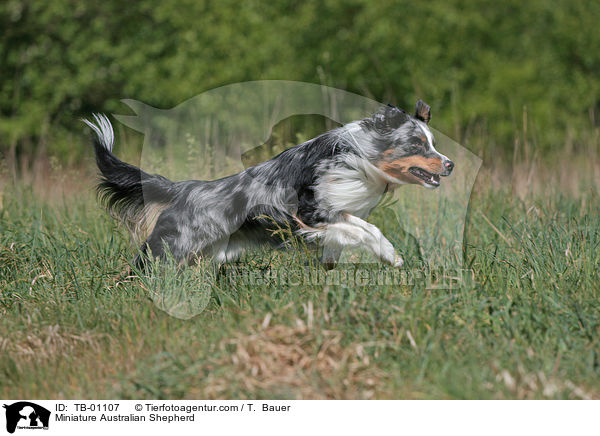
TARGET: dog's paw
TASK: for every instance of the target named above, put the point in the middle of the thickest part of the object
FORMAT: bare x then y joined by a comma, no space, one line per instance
329,265
398,261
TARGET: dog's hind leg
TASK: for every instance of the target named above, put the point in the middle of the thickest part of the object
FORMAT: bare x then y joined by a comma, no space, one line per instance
166,240
225,250
192,236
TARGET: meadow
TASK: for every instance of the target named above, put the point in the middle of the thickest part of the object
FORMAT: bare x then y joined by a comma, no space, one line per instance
517,82
525,327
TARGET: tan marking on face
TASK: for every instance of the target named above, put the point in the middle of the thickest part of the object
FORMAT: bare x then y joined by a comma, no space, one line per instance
399,168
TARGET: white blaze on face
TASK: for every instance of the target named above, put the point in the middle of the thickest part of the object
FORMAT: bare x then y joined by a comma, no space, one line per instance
429,137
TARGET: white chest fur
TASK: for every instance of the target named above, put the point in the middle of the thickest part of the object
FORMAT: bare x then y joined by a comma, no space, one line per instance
355,189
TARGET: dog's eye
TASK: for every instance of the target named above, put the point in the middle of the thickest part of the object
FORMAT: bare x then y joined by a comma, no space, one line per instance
416,142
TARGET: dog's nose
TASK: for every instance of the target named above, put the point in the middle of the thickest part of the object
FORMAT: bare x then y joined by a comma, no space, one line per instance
449,166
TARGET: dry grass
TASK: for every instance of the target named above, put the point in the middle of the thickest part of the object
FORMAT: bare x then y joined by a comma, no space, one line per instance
51,342
569,175
299,361
524,385
565,172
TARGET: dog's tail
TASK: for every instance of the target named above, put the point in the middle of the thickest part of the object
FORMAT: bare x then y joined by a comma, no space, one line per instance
134,197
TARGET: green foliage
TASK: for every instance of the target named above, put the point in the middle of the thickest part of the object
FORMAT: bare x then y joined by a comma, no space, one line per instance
481,64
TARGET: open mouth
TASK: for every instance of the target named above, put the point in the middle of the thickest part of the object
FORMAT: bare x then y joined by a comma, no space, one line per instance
426,176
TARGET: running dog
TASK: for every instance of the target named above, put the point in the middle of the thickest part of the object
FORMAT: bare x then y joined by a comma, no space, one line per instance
323,190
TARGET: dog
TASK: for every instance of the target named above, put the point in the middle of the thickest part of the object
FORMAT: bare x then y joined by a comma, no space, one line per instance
323,190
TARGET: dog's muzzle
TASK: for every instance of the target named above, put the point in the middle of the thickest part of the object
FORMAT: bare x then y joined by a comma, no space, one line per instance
448,167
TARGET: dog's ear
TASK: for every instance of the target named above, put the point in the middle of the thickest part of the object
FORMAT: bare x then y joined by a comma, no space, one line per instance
394,117
389,118
422,111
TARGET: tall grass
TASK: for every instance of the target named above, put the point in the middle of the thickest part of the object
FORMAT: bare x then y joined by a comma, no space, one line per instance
525,326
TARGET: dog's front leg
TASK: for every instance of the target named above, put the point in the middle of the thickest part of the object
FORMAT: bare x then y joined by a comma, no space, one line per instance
352,231
331,255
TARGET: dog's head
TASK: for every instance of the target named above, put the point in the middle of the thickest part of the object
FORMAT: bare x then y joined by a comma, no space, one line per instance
403,147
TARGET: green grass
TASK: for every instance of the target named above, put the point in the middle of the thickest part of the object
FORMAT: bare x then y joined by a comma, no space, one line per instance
527,327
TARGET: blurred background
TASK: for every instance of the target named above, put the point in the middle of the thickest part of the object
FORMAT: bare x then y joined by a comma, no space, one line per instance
516,82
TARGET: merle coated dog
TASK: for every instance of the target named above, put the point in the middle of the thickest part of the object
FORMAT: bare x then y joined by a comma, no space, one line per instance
323,190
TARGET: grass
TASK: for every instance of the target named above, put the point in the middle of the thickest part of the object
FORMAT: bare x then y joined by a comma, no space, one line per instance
526,327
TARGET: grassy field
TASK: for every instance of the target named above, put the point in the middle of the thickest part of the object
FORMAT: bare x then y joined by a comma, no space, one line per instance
526,327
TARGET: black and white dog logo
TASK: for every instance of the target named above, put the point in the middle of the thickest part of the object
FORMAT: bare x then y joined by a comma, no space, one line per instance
26,415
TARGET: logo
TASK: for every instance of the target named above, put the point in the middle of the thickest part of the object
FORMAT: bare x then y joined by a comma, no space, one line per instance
26,415
224,131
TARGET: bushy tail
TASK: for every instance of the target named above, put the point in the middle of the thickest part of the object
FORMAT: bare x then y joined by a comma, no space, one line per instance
131,195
